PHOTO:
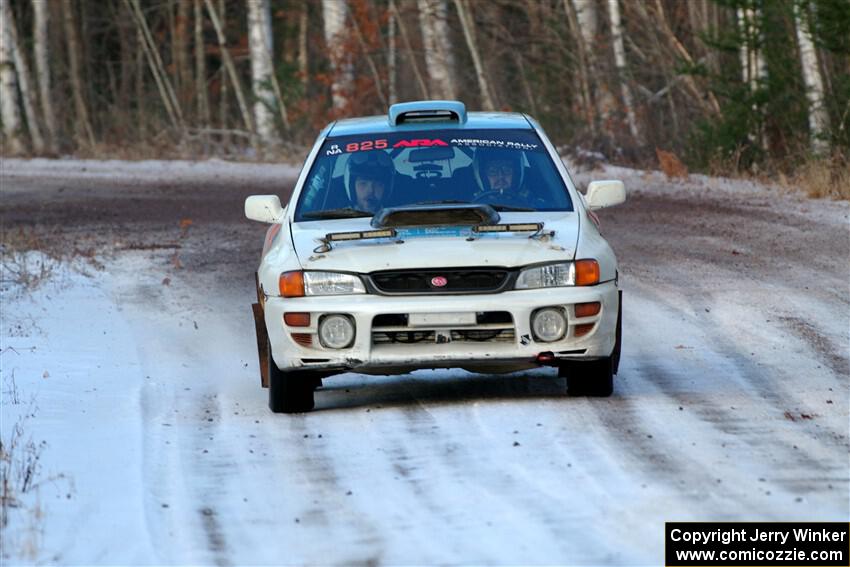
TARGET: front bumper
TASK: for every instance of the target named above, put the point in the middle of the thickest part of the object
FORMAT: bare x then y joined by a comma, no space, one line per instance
299,348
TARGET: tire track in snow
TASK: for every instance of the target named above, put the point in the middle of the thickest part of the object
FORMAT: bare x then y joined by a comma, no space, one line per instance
727,420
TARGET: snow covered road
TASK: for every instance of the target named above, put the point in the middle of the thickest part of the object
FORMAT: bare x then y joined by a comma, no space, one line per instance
141,379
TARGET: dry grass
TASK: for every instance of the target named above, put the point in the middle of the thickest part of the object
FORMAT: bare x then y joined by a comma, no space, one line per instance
823,178
30,257
817,178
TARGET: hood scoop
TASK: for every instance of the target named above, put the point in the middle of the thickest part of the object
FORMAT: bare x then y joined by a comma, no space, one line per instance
471,214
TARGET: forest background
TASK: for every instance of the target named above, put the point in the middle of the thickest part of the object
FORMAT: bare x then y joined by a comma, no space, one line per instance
728,87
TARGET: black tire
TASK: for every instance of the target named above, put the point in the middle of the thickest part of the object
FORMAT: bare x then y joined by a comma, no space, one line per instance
289,392
593,378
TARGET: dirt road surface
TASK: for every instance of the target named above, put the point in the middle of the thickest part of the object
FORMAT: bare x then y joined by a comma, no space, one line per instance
140,369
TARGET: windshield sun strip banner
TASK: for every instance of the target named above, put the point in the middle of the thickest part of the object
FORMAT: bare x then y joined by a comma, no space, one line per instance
525,140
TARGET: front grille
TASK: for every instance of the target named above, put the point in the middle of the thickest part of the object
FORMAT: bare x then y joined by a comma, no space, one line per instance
467,280
490,327
480,336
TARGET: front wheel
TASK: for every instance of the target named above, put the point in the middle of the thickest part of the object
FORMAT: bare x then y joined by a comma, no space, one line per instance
289,392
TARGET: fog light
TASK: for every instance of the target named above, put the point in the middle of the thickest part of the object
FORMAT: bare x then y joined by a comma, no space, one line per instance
336,331
548,324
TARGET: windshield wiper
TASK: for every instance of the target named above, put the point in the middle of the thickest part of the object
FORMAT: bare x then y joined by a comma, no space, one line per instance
343,213
511,208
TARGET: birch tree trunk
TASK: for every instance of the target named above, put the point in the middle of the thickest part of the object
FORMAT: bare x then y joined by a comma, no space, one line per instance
818,116
42,68
24,81
753,67
262,71
82,124
469,33
10,112
437,45
620,62
334,13
234,77
583,69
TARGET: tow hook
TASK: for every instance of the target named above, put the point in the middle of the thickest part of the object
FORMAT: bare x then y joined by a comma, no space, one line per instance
545,359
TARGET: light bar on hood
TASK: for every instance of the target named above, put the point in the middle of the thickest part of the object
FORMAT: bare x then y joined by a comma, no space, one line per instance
341,236
519,227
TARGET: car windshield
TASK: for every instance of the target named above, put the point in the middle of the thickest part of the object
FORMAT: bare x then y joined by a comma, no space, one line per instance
357,176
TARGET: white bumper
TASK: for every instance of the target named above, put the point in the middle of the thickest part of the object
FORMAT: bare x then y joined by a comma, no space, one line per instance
299,348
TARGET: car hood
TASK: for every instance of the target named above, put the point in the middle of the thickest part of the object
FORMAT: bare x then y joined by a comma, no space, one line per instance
447,248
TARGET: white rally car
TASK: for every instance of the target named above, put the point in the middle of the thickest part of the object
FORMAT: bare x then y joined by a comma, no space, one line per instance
435,238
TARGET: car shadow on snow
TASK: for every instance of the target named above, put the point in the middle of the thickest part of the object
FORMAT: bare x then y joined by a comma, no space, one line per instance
452,386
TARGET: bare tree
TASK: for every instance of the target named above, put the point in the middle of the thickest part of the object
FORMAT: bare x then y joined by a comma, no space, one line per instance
9,109
180,50
25,83
370,61
622,69
818,116
702,95
42,68
262,71
231,71
437,44
411,57
82,124
201,67
334,13
469,33
303,63
166,91
391,55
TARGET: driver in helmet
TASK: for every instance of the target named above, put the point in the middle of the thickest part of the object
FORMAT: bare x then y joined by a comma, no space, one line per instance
369,179
500,174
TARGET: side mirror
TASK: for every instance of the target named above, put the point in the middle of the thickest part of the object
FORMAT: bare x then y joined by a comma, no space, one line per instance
602,194
263,208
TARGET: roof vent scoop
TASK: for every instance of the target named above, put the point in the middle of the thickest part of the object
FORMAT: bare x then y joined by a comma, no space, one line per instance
427,111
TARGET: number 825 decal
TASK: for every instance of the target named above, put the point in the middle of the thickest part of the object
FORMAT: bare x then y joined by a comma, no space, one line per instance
366,146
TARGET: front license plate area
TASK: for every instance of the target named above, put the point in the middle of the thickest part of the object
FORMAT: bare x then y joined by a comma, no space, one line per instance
441,319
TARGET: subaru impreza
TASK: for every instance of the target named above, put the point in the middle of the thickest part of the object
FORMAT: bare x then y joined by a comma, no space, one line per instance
434,237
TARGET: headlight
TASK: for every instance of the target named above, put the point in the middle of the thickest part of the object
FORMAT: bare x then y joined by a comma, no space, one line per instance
299,284
550,275
580,272
332,283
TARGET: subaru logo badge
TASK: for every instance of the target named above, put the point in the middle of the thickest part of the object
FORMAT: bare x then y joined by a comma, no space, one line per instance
439,281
